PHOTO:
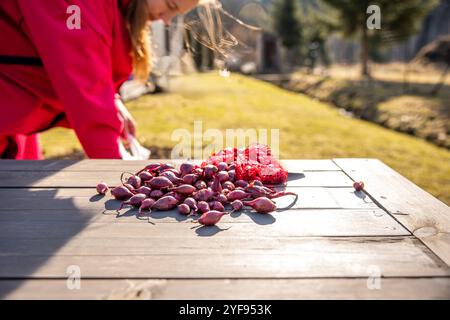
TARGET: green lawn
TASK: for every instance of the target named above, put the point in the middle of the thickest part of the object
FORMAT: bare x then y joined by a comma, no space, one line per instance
308,129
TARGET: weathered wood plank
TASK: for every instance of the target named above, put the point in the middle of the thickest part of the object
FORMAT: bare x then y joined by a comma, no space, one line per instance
421,213
87,198
319,179
86,179
234,289
78,228
33,224
309,165
133,166
91,165
268,258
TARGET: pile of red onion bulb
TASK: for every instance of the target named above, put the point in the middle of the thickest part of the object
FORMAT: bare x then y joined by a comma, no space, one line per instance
204,191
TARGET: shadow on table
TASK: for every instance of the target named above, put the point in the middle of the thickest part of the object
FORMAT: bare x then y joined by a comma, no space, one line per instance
360,194
34,223
172,214
295,176
261,219
203,231
258,218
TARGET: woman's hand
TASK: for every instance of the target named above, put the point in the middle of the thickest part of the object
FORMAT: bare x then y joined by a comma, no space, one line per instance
128,120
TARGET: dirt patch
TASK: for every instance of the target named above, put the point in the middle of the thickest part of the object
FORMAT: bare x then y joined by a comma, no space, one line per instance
407,108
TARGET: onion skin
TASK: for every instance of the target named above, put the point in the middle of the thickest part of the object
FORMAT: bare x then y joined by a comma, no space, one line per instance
261,205
156,194
217,206
134,181
241,183
145,176
185,189
222,199
102,188
144,190
228,185
223,166
172,177
203,195
209,171
164,167
216,186
232,175
186,168
165,203
134,201
190,178
146,205
191,203
160,183
180,197
200,185
153,167
211,218
150,168
121,193
184,209
129,187
359,186
237,195
257,191
223,176
203,206
237,205
257,183
174,171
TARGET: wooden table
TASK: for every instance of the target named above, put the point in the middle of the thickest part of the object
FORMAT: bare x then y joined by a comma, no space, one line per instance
393,241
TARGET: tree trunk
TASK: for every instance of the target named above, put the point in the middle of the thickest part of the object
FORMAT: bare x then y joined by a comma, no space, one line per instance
365,53
290,54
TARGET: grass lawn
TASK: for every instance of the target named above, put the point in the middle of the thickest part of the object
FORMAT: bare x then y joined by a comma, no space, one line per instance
308,129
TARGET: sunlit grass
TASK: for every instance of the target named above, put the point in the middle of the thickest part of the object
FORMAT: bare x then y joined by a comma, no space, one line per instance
308,129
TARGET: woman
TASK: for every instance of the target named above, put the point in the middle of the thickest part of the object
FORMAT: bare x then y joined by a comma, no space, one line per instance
54,74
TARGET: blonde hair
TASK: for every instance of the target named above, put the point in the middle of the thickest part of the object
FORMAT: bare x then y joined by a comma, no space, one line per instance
139,28
207,27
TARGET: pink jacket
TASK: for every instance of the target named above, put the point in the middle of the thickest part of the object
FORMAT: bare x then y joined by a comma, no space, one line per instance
81,70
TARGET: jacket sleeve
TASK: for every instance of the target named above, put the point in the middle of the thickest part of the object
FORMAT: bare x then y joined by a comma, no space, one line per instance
78,63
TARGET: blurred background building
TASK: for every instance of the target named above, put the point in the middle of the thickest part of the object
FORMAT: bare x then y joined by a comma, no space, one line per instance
264,50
